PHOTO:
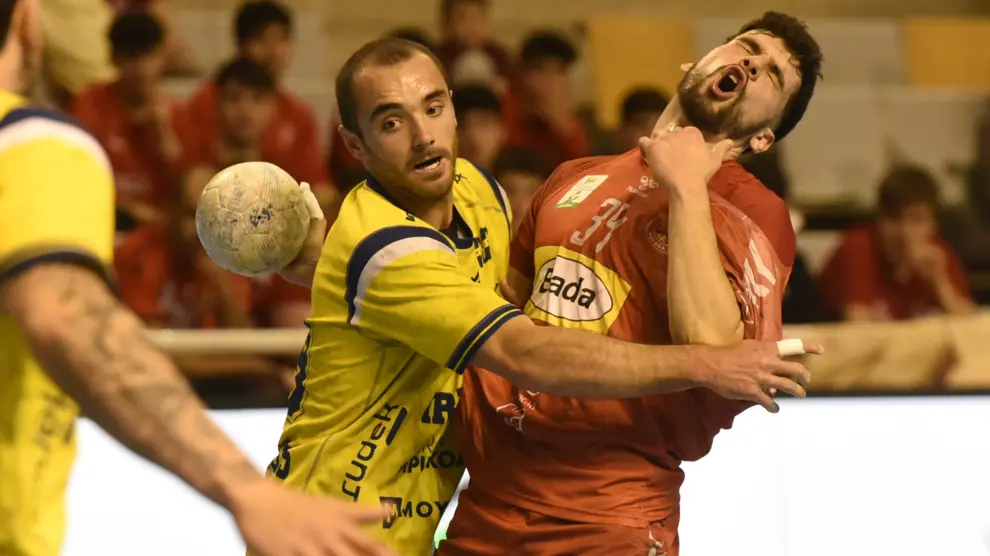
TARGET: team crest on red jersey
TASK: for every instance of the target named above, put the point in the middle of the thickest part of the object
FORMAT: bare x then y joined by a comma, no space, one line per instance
656,233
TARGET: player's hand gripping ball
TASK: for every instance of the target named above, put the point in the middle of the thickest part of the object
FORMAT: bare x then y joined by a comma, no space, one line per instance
253,218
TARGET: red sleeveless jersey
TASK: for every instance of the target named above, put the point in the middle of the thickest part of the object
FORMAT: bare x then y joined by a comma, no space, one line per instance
594,242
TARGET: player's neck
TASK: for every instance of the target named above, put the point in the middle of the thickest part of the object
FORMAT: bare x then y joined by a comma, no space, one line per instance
438,214
674,116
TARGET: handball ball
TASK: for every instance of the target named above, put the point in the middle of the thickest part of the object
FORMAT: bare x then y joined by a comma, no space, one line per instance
253,219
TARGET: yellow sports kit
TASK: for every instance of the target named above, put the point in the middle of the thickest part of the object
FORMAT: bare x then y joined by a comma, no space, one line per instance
399,309
56,204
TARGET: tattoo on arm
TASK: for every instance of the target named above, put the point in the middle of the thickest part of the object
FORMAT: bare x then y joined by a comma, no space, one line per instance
99,353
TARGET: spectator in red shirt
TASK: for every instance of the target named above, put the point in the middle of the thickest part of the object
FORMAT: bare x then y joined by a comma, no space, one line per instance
135,121
897,268
641,108
467,38
263,31
246,103
520,173
544,117
245,96
167,279
480,126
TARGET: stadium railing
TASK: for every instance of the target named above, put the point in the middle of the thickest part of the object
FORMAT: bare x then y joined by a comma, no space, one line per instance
930,355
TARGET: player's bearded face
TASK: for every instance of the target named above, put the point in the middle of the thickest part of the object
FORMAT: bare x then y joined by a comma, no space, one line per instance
739,88
410,145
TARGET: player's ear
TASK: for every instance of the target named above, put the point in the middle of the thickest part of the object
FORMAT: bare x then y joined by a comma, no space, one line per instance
352,142
761,140
686,67
26,26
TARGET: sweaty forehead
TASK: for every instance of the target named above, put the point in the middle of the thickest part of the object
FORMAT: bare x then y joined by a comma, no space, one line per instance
406,82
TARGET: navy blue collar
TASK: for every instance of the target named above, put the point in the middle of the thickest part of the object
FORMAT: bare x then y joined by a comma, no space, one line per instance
462,240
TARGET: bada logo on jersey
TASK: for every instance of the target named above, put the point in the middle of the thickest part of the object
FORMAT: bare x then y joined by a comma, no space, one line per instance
575,291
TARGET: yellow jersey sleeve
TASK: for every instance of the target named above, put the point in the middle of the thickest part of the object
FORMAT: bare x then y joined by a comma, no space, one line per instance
404,283
56,193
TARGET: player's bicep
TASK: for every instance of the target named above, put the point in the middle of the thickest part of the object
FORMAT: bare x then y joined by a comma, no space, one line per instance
403,283
56,202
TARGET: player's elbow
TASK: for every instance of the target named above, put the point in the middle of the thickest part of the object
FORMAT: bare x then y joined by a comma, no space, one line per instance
513,353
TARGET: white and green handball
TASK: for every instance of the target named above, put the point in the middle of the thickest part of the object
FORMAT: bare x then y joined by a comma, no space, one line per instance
253,218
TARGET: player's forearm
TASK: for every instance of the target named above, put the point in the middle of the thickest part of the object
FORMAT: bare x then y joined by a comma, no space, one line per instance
574,363
98,352
701,304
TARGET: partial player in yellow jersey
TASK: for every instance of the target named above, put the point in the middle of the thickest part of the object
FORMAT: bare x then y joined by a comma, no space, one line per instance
405,298
61,330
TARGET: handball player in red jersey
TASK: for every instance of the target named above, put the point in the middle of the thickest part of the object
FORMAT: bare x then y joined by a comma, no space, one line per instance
673,242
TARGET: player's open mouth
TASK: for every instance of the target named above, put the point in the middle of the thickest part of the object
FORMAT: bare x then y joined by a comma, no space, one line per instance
728,82
429,165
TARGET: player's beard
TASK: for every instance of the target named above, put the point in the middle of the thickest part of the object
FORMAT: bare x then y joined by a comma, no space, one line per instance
401,182
709,116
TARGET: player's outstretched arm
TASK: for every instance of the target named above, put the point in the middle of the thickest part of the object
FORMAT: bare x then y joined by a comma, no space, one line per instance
98,352
569,362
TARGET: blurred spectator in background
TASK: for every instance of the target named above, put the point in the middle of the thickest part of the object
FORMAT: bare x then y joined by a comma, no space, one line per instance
137,123
245,94
897,268
263,31
76,51
480,129
413,34
468,52
641,109
543,116
967,226
520,173
802,298
169,281
178,57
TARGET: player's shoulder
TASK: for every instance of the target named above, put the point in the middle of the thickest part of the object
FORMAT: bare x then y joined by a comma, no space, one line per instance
474,182
370,221
584,176
46,130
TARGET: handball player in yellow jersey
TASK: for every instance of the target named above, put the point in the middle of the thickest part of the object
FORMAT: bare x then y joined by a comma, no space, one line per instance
405,298
61,330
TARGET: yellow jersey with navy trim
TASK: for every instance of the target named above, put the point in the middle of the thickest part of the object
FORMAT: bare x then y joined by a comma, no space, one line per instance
399,310
56,204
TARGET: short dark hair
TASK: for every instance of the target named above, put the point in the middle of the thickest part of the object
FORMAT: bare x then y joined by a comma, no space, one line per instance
471,98
254,16
247,73
514,159
135,33
805,49
412,34
547,45
447,7
643,100
384,52
905,186
6,18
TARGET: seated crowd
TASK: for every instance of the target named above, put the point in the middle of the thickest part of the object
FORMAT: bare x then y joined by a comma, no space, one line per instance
517,117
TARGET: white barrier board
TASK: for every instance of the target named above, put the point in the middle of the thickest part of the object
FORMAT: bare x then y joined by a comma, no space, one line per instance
857,477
